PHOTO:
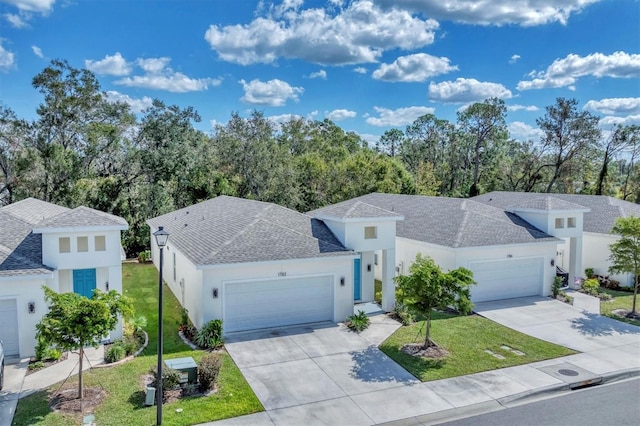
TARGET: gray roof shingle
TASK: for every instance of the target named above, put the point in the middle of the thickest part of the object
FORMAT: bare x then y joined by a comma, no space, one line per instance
32,210
546,203
456,222
603,212
81,217
354,209
234,230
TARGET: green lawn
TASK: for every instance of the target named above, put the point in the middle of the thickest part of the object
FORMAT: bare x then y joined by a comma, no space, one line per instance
621,300
466,338
124,403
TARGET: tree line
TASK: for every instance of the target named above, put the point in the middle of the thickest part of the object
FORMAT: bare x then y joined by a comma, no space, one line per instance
83,149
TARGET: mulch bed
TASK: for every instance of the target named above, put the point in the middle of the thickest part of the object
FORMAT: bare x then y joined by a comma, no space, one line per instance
624,313
46,364
66,401
418,349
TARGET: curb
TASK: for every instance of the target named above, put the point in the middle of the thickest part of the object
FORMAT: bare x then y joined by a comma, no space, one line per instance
563,387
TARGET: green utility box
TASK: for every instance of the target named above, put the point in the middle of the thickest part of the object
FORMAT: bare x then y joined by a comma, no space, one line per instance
187,368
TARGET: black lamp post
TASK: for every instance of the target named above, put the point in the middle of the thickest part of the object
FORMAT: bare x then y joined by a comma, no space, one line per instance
161,240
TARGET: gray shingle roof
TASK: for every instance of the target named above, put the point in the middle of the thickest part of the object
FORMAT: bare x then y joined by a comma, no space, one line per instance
604,210
234,230
21,248
32,210
456,222
546,203
354,209
81,217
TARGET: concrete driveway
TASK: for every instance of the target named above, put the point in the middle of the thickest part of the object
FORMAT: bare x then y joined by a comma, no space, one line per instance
319,369
14,372
560,323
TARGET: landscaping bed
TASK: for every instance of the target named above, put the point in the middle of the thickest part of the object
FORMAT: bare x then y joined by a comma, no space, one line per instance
618,306
123,386
474,344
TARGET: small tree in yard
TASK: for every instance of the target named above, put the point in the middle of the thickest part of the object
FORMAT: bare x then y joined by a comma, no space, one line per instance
625,253
428,288
74,321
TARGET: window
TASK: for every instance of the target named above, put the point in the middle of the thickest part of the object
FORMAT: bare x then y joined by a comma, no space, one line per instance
101,243
83,244
64,244
571,222
174,266
370,232
559,222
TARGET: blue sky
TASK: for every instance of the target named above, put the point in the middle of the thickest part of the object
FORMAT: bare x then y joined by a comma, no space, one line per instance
369,65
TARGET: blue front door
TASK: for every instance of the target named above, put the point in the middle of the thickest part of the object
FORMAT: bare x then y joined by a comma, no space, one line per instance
84,281
356,279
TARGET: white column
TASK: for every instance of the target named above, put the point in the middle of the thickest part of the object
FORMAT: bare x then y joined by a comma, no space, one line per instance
575,260
388,285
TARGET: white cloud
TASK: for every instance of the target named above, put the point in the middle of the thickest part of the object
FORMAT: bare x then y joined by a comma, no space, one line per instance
514,59
413,68
7,58
517,107
566,71
37,51
495,12
159,76
369,138
524,132
357,33
175,82
610,121
18,21
319,74
110,65
360,70
137,105
40,6
466,90
339,114
283,118
153,65
273,92
398,117
615,106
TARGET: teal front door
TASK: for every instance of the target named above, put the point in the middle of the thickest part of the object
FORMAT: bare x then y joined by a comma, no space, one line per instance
84,281
356,279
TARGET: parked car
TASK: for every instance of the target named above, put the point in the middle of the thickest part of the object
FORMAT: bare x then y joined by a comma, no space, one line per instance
1,365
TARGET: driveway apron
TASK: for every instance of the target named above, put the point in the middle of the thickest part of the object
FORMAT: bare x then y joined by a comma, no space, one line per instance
560,323
313,369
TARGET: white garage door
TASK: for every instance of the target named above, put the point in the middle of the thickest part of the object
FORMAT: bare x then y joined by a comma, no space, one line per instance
264,304
506,279
9,327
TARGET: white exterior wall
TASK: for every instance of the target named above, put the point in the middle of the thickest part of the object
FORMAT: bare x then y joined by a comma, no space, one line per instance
217,278
595,254
52,257
366,277
565,232
354,236
464,257
108,263
25,291
189,294
407,249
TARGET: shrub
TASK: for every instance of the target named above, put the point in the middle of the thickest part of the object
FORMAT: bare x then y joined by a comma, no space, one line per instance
358,322
590,286
184,317
144,256
557,285
210,335
401,313
170,378
36,365
612,284
45,352
605,297
208,370
589,272
130,345
115,352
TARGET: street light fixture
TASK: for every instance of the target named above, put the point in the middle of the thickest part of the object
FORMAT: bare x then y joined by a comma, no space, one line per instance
161,237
